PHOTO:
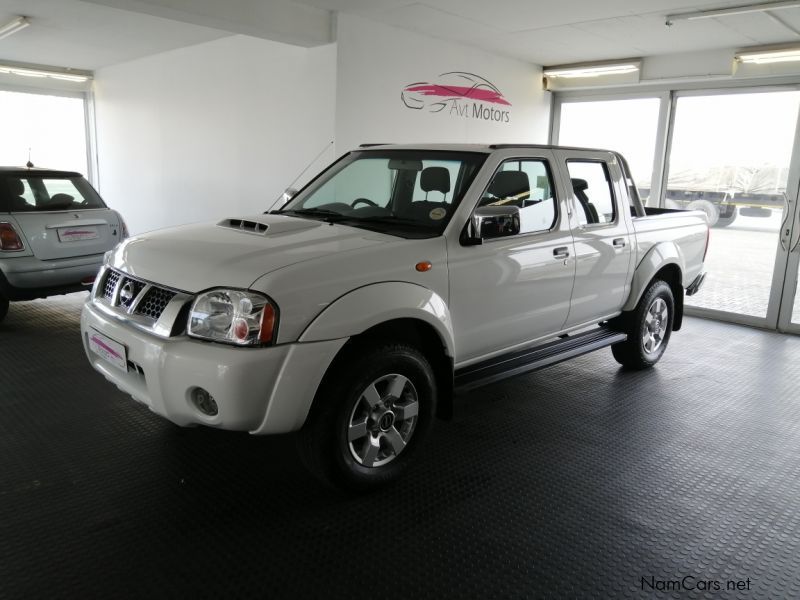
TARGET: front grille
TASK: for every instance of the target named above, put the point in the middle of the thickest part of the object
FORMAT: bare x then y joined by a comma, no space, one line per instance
111,281
154,302
143,304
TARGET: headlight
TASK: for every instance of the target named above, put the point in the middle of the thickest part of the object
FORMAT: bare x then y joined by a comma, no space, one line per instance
234,317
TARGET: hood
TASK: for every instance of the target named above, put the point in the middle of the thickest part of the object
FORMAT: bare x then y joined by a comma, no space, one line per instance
234,252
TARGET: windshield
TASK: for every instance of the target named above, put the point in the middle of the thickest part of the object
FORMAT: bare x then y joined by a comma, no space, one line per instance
409,193
32,192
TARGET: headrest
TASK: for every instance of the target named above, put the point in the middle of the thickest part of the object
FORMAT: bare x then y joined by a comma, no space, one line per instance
579,185
509,183
435,179
16,186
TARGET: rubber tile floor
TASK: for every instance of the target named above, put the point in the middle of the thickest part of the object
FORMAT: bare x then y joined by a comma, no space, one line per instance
577,481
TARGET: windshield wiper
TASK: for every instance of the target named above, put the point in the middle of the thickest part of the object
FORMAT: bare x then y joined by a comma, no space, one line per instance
330,216
389,219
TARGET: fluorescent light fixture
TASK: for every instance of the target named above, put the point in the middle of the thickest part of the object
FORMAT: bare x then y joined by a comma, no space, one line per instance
61,75
596,70
733,10
765,56
13,26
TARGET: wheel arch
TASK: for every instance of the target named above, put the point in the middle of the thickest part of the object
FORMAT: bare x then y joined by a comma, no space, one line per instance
664,261
407,313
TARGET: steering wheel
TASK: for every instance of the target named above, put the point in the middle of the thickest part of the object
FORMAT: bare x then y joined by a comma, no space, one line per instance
366,201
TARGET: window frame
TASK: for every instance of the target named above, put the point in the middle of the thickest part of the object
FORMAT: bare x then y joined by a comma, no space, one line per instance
553,186
576,203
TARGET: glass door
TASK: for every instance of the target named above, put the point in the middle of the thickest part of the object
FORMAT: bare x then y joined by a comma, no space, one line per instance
789,311
729,156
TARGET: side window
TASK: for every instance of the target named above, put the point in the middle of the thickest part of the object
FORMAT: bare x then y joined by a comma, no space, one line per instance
591,187
528,185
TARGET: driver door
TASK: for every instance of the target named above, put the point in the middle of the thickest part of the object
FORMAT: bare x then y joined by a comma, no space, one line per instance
513,289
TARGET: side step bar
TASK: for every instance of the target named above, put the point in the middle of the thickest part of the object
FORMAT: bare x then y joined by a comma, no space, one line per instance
525,361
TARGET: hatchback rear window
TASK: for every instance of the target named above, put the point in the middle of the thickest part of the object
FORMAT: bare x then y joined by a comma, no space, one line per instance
28,193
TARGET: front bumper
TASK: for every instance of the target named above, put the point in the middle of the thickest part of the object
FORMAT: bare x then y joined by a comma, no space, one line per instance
260,390
27,277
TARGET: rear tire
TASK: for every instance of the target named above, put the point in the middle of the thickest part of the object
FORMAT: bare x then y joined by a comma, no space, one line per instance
3,308
649,327
370,417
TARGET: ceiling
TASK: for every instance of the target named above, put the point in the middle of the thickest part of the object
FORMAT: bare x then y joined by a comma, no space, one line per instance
90,34
69,33
551,32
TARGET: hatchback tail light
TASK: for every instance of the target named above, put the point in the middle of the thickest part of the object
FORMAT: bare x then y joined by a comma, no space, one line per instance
9,238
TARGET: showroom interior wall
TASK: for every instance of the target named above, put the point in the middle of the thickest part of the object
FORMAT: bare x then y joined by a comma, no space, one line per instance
375,62
222,128
212,130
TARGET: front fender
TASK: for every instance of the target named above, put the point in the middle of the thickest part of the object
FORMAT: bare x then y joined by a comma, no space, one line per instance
658,257
371,305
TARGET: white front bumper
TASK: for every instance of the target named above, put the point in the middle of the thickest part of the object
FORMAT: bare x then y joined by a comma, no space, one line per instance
260,390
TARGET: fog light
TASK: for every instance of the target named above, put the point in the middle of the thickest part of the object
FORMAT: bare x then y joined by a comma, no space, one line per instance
204,402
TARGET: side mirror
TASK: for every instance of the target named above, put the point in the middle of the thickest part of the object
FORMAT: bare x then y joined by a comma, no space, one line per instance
489,222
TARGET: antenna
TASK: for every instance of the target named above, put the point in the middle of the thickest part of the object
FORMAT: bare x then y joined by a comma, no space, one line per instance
308,166
29,164
282,197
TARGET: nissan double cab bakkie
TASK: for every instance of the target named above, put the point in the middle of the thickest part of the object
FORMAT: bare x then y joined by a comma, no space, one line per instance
395,278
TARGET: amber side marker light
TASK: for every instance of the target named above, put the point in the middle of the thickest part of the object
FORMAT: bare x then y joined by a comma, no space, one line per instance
267,324
423,266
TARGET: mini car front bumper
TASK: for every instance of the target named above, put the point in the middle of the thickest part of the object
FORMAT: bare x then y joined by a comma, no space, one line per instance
260,390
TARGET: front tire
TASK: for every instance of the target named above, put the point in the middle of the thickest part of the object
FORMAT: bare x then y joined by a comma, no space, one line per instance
3,308
649,327
370,417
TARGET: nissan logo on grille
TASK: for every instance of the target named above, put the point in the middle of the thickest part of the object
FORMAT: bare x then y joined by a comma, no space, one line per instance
127,293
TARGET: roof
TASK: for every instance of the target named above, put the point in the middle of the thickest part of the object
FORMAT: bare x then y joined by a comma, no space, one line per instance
485,148
36,171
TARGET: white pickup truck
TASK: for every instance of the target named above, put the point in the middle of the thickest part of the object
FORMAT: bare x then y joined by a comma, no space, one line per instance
396,277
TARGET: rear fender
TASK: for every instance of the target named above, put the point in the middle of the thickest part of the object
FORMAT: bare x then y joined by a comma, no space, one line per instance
658,257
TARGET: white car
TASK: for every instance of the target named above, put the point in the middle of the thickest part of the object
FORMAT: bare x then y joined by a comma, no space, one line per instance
397,276
54,230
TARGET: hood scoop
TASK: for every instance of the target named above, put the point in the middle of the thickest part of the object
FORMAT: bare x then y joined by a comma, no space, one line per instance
245,225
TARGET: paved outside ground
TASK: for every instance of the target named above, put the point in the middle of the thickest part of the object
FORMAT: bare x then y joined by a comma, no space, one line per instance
740,262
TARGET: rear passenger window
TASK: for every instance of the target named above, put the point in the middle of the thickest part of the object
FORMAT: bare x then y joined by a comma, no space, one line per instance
591,187
525,183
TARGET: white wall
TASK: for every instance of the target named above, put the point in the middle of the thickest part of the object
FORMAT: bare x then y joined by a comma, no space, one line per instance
212,130
375,62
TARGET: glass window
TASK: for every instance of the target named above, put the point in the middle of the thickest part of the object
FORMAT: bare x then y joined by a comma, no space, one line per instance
25,193
730,159
627,126
591,187
410,193
51,129
525,183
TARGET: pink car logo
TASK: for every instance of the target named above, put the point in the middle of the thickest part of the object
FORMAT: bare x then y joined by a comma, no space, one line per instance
450,88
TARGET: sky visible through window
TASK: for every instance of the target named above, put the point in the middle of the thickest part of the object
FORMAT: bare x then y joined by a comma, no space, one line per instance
52,127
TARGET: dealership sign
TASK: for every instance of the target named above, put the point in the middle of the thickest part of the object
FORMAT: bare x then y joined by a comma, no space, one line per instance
458,94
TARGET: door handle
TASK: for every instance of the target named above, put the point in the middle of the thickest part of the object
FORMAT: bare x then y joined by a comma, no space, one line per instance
561,252
619,243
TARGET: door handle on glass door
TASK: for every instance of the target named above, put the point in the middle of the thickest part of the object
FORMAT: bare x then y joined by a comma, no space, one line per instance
561,252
